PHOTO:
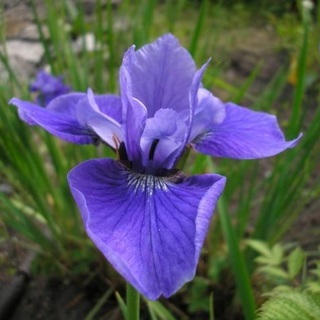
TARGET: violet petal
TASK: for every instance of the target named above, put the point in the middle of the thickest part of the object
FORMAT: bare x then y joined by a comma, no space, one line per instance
209,111
161,75
134,112
243,134
106,127
151,229
188,115
169,129
48,87
61,124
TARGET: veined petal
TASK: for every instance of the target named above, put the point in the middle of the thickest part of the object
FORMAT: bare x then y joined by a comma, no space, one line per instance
59,122
106,127
66,104
151,229
161,75
110,105
243,134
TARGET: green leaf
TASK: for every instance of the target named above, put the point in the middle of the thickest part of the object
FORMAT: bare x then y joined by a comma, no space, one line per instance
316,271
265,261
199,299
282,288
99,304
122,304
314,287
294,305
277,253
274,271
261,247
155,307
295,262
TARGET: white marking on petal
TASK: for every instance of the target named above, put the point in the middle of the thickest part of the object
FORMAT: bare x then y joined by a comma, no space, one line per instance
147,183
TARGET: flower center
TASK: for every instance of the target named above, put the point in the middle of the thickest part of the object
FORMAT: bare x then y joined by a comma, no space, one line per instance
151,168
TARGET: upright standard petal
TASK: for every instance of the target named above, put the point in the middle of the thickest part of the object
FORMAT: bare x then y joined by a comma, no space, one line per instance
187,115
161,75
59,118
243,134
151,229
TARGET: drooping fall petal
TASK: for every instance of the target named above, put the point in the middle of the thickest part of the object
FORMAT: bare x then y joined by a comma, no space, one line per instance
243,134
61,122
151,229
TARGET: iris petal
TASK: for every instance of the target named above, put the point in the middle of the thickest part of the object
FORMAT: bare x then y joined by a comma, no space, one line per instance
188,115
151,229
106,127
48,87
110,105
57,120
134,112
66,104
209,111
161,75
243,134
169,129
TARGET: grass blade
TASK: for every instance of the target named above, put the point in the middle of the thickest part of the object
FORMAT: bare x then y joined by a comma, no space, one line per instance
238,263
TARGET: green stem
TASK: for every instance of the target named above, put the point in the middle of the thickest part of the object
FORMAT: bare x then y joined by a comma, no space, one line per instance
133,303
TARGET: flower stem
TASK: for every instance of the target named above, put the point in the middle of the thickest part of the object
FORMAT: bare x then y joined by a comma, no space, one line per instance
133,303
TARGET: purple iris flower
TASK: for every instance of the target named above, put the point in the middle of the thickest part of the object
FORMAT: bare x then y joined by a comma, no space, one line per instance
48,87
147,217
